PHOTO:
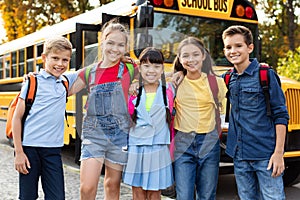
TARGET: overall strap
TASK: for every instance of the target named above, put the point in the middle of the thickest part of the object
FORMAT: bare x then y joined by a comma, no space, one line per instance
121,70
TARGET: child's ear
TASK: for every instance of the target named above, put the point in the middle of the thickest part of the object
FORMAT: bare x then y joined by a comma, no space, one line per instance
250,48
44,57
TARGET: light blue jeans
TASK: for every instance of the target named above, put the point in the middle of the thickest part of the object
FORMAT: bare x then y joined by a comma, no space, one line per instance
197,159
254,181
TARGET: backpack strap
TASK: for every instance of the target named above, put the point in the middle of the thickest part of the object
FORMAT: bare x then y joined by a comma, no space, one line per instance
264,82
30,97
227,78
87,74
212,80
66,85
130,69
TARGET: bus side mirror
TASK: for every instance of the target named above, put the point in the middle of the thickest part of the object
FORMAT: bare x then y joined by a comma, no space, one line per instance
145,16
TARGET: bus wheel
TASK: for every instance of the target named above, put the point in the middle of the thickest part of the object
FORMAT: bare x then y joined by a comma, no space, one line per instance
291,173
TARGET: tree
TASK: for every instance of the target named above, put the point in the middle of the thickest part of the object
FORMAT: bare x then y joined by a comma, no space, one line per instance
24,17
280,32
289,66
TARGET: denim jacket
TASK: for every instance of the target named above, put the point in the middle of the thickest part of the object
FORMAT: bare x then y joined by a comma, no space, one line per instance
251,133
151,127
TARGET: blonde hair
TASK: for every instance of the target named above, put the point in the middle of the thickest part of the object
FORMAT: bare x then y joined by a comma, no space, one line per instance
57,43
114,25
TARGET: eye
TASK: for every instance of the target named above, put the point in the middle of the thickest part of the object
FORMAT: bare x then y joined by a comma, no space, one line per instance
228,47
55,58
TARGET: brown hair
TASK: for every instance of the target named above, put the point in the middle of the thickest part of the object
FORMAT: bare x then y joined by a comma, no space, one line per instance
237,29
114,25
58,43
207,63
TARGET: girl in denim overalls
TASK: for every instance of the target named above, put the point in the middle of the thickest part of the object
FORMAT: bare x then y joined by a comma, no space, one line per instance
106,124
149,166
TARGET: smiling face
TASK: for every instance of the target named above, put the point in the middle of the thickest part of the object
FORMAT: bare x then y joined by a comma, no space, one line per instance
56,62
191,57
151,72
237,51
114,47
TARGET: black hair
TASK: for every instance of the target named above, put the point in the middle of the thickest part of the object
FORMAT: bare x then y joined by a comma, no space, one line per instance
152,55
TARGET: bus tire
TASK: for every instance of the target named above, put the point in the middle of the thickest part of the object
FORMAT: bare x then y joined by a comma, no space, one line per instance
291,173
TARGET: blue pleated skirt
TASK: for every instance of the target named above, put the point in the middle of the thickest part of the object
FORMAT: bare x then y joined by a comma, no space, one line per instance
149,167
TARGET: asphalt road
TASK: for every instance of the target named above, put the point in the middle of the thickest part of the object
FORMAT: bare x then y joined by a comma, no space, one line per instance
9,178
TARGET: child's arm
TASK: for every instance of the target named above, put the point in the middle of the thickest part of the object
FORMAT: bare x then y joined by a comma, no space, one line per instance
276,160
21,160
78,85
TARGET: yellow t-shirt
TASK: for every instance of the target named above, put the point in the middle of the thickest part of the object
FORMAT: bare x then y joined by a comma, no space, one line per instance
149,100
195,106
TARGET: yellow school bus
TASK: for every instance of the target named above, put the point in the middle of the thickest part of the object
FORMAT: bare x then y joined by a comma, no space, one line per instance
159,23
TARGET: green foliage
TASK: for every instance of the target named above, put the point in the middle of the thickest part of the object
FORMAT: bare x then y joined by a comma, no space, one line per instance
289,66
24,17
280,29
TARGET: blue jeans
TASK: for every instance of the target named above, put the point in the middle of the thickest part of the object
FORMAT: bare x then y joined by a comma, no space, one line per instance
254,181
197,159
47,164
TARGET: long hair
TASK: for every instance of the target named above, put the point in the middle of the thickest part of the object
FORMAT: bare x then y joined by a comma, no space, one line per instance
152,55
207,63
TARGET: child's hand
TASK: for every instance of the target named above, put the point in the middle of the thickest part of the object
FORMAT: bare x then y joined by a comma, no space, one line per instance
277,163
177,78
127,59
133,88
22,163
25,76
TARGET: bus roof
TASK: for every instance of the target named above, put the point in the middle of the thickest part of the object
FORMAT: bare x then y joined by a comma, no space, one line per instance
67,26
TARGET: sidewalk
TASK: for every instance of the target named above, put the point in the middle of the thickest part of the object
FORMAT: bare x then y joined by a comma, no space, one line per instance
9,179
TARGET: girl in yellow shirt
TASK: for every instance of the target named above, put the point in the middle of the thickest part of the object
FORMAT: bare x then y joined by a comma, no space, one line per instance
197,152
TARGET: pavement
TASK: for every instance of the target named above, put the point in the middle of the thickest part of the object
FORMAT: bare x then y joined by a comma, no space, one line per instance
9,177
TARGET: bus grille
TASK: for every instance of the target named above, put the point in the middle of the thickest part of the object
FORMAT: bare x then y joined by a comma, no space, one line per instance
293,106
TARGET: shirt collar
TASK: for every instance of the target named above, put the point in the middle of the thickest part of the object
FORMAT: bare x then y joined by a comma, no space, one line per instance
251,68
47,75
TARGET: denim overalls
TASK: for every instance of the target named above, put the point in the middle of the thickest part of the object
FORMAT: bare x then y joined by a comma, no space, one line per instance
107,121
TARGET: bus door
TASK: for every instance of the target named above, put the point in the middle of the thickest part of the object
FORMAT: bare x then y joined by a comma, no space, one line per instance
86,39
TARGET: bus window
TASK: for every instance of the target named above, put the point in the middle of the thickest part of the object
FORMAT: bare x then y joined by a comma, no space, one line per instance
1,68
14,64
73,40
7,65
172,28
73,60
21,62
39,50
29,59
90,47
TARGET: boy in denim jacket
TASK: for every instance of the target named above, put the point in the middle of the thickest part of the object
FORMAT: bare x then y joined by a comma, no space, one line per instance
255,141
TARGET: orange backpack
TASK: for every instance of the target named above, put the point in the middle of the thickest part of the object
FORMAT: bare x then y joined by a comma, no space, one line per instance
30,96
